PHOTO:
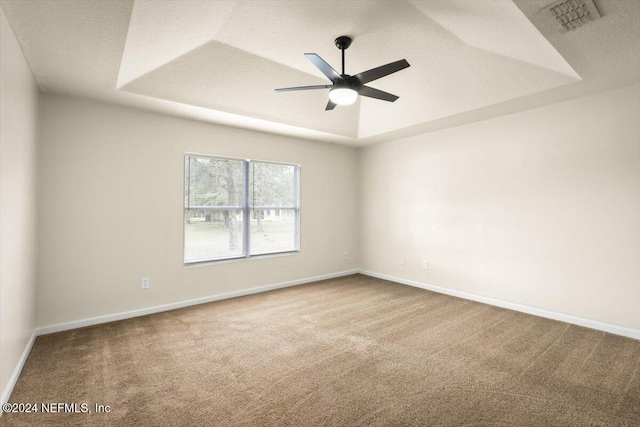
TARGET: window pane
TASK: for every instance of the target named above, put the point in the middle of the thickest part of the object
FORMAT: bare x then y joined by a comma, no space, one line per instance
212,234
213,181
271,184
273,231
215,202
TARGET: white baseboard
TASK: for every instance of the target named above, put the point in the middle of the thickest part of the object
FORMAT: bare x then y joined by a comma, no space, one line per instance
568,318
6,393
59,327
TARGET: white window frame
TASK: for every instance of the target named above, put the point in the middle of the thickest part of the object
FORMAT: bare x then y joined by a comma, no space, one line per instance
245,208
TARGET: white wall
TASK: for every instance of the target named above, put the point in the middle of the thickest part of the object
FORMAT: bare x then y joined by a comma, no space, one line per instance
540,208
18,123
111,209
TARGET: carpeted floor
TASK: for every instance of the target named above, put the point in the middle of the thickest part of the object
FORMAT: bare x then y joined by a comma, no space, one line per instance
354,351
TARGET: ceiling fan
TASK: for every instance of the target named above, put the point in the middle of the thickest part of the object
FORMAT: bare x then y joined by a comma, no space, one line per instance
345,88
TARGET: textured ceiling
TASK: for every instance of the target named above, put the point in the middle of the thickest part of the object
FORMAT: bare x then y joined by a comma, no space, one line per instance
219,61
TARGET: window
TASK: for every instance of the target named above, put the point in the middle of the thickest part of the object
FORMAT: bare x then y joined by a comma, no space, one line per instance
236,208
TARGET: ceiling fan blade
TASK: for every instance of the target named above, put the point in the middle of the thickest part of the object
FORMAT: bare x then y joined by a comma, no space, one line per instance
330,106
377,94
378,72
289,89
326,69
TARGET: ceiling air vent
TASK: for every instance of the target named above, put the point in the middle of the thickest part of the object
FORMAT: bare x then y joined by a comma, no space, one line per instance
571,14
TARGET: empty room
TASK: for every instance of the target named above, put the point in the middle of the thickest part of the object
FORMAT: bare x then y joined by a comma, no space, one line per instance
320,213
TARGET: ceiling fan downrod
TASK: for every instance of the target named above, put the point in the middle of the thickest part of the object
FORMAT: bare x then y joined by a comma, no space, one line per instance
343,43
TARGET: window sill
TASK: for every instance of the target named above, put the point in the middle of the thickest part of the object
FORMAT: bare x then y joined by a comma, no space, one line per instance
235,259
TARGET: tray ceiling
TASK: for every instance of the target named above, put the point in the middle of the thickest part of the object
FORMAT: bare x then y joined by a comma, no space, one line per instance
221,60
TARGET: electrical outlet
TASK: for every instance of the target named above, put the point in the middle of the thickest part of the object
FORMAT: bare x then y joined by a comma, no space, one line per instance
425,265
145,283
401,260
345,256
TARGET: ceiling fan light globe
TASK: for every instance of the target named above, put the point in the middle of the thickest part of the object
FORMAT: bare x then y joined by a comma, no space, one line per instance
343,95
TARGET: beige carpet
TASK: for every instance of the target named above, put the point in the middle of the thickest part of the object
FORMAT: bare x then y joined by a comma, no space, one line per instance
354,351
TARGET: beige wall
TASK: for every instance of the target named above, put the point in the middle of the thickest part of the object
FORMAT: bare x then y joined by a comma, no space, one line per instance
111,209
540,208
18,123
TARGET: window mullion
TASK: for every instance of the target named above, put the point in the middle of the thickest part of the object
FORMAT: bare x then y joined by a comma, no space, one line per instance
246,214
